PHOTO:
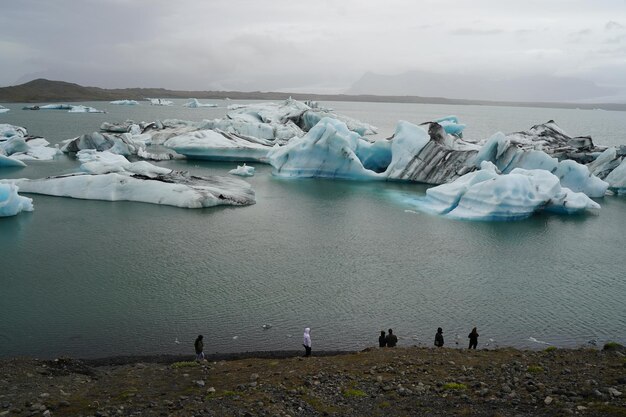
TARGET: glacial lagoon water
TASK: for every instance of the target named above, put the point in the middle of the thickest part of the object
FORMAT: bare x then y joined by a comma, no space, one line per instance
348,259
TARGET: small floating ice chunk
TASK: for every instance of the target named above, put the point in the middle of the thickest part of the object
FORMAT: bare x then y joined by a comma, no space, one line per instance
243,171
124,102
160,102
11,203
267,326
532,339
84,109
3,109
193,103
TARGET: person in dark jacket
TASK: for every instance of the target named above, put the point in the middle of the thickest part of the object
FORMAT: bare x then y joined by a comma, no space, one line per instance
391,339
199,346
439,337
382,341
473,337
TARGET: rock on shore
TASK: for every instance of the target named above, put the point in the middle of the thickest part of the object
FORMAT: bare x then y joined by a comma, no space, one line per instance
375,382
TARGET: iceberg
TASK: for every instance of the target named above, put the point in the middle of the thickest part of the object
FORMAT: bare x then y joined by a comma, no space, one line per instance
84,109
110,177
71,108
124,102
8,162
160,102
193,103
17,145
242,170
489,195
220,146
451,125
121,144
11,203
610,166
3,109
328,150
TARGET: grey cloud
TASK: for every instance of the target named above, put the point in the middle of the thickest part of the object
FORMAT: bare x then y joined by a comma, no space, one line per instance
612,25
477,32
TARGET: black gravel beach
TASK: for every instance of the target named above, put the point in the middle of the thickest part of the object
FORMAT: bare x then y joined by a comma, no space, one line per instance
375,382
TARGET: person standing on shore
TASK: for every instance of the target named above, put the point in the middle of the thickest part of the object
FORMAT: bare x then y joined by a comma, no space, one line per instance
199,346
439,337
473,339
391,339
382,341
306,341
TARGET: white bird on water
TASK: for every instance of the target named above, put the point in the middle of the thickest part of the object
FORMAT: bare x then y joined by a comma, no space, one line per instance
176,341
235,337
266,326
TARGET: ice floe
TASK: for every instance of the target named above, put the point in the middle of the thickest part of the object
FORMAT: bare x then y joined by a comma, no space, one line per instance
17,146
160,102
121,144
3,109
610,165
125,102
71,108
487,194
11,203
193,103
111,177
219,145
242,170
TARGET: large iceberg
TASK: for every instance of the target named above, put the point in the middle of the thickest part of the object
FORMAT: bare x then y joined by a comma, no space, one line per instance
488,195
124,102
219,145
16,146
71,108
328,150
435,157
111,177
11,203
193,103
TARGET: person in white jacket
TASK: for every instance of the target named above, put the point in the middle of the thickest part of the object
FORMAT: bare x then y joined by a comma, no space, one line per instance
306,342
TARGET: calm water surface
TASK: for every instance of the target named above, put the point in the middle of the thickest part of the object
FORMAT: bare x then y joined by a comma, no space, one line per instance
90,278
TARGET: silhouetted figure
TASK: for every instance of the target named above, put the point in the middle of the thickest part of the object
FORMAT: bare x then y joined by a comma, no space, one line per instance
199,346
306,342
473,337
439,337
391,339
382,341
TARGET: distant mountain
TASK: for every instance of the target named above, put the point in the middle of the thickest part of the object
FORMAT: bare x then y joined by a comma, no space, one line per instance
42,90
472,87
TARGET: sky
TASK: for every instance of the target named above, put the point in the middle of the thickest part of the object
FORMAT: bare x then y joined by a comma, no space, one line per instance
307,46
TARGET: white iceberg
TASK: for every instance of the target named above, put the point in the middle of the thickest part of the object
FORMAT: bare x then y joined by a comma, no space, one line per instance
17,145
11,203
242,171
193,103
112,177
160,102
84,109
124,102
489,195
71,108
3,109
220,146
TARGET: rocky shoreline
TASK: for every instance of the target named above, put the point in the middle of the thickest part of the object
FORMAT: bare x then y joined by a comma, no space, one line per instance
374,382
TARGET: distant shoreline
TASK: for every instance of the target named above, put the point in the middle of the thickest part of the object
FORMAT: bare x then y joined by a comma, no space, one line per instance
41,90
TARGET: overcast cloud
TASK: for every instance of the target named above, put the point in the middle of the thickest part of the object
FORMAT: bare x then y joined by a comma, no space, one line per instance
319,46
